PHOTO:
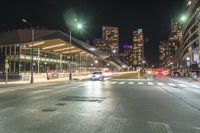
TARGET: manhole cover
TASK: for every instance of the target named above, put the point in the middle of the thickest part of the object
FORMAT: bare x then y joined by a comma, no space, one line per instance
49,109
61,104
83,99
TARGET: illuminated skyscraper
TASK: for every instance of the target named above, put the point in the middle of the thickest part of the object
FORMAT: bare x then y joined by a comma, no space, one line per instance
138,48
98,44
110,39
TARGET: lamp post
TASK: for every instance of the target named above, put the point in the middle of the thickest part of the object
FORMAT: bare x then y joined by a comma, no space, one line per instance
78,26
32,40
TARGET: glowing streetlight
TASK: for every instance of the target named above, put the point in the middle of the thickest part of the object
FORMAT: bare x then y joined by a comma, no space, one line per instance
79,26
188,58
96,61
183,18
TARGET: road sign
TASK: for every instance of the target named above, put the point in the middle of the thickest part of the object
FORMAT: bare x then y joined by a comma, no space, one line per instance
199,51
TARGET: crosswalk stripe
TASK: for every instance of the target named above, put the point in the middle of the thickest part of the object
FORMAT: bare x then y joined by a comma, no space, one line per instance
114,82
182,85
195,86
131,83
171,84
40,91
140,83
150,83
160,83
121,83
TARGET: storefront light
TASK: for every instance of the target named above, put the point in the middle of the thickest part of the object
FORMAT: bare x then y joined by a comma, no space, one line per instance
54,46
62,49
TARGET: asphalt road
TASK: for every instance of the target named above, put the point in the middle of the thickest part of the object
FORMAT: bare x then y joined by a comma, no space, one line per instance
111,106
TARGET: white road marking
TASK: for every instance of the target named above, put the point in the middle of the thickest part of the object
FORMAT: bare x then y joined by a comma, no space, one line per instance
113,82
195,86
171,84
182,85
40,91
131,83
196,130
3,91
30,110
37,97
159,127
161,84
6,109
121,83
140,83
150,83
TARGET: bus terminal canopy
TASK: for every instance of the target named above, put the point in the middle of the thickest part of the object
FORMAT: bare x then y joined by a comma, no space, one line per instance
52,41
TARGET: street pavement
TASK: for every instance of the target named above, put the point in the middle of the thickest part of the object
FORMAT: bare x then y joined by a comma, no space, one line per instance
160,105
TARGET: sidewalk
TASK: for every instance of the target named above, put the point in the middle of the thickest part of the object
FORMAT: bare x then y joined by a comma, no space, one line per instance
185,80
38,81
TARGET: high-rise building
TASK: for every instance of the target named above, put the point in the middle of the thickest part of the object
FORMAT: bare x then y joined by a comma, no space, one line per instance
128,58
168,49
164,53
191,36
138,48
175,36
110,39
98,44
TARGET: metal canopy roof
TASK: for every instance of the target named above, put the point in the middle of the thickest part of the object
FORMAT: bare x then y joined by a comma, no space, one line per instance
52,41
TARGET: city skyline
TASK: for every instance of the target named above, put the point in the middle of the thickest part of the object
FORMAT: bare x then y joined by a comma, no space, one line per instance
96,14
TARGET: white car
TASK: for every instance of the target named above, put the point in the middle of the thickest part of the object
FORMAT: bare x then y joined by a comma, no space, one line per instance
97,76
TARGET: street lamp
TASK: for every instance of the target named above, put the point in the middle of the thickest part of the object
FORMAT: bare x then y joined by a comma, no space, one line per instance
183,18
78,26
188,58
32,29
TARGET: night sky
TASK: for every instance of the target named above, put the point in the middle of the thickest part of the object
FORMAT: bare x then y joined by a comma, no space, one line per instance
153,16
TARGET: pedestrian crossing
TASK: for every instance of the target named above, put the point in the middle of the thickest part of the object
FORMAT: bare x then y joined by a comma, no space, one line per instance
143,83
